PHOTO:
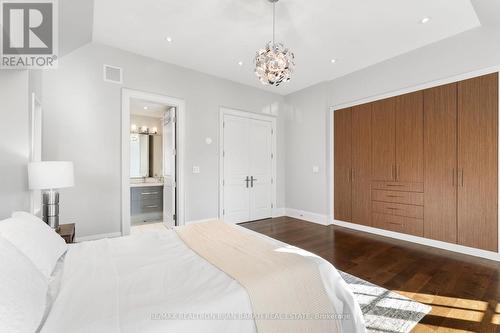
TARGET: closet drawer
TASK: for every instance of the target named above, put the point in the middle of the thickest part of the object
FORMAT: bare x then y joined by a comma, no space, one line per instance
398,186
398,209
409,198
406,225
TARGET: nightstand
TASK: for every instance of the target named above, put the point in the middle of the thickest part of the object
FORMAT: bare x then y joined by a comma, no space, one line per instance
67,231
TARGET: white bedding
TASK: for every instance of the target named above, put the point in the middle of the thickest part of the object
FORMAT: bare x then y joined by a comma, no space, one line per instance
137,283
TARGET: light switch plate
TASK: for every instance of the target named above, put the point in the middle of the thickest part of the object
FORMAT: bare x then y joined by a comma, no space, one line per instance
196,169
315,169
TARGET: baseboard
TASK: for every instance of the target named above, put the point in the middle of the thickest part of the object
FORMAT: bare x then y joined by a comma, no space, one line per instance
98,236
307,216
201,221
279,212
423,241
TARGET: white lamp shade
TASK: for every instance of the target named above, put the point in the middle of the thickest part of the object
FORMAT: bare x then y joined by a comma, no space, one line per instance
50,175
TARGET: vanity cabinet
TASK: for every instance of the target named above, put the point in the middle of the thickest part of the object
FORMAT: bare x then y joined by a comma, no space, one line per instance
146,204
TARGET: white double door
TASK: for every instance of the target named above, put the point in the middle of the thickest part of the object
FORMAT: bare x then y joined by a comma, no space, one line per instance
247,169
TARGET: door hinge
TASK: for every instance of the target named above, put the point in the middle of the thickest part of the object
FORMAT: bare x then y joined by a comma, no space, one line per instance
174,217
223,153
174,184
272,180
223,182
272,205
272,155
223,124
272,131
223,212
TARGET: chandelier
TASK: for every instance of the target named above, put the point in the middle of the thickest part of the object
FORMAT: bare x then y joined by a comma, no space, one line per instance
274,64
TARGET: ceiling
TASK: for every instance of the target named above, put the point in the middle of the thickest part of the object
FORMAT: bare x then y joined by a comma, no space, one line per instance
212,36
144,108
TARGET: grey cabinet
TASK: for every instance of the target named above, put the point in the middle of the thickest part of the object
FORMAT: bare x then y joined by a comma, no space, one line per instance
146,204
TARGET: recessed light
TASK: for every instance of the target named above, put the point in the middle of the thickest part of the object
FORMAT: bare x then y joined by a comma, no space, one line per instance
145,108
169,39
333,61
425,20
240,63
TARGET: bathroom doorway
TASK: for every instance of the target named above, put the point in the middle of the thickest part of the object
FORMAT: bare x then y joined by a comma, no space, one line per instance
151,159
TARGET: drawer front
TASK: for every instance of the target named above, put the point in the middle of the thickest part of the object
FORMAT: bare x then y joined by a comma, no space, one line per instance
409,198
143,193
398,209
398,186
406,225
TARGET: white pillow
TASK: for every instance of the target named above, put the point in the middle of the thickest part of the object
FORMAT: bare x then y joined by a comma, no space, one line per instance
35,239
23,291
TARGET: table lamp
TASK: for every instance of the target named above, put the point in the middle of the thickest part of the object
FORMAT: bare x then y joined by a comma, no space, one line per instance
49,177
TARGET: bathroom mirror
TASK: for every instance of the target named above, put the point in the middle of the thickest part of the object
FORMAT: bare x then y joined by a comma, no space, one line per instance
146,155
139,155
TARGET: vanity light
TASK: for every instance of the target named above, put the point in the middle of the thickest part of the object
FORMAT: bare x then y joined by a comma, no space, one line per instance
144,129
154,130
133,128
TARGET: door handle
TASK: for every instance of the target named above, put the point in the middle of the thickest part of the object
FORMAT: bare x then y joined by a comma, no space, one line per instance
252,180
462,177
350,175
247,180
453,177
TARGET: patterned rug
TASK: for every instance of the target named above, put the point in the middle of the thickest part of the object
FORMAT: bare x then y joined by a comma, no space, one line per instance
385,311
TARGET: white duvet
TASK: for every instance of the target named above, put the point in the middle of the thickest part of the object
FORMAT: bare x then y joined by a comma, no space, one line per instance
152,282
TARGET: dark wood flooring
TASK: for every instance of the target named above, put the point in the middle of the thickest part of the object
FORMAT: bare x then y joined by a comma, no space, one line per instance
464,291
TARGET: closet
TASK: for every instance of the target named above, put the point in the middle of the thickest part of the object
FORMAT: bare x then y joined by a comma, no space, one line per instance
424,163
247,168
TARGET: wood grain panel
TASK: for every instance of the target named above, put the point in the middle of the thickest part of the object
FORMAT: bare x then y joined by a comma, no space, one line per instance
342,164
398,209
361,164
383,139
409,138
478,162
408,198
406,225
440,163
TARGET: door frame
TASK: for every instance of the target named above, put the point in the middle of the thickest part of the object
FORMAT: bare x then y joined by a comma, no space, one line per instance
248,115
420,240
180,104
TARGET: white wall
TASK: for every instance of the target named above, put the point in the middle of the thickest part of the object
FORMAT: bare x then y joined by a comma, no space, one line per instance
82,120
14,141
308,109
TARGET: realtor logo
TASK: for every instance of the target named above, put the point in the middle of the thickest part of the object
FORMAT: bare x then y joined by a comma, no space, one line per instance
29,38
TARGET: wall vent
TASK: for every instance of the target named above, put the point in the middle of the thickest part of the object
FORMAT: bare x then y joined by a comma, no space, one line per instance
113,74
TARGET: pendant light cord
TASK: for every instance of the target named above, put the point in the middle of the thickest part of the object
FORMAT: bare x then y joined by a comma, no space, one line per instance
274,21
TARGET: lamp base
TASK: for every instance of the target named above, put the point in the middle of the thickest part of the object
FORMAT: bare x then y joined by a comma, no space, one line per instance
50,209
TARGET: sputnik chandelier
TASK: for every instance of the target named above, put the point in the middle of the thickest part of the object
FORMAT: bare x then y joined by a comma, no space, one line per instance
274,64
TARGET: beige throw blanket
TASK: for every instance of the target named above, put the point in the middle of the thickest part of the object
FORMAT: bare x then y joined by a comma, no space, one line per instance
285,289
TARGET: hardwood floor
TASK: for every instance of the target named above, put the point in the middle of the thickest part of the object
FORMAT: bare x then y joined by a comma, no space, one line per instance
464,291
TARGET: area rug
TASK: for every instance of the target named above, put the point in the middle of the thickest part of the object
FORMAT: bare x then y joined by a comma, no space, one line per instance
385,311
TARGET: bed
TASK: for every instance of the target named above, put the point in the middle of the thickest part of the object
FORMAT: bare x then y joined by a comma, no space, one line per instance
154,282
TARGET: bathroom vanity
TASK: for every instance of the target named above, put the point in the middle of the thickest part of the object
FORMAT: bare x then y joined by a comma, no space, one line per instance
146,202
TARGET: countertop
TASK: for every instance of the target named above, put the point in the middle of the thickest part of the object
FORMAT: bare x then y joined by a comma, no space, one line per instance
145,184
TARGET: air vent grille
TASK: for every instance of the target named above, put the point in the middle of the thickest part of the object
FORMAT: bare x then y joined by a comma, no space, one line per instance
113,74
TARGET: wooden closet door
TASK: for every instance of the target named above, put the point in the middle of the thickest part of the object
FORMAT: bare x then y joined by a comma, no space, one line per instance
410,138
361,164
477,162
342,164
440,163
383,140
